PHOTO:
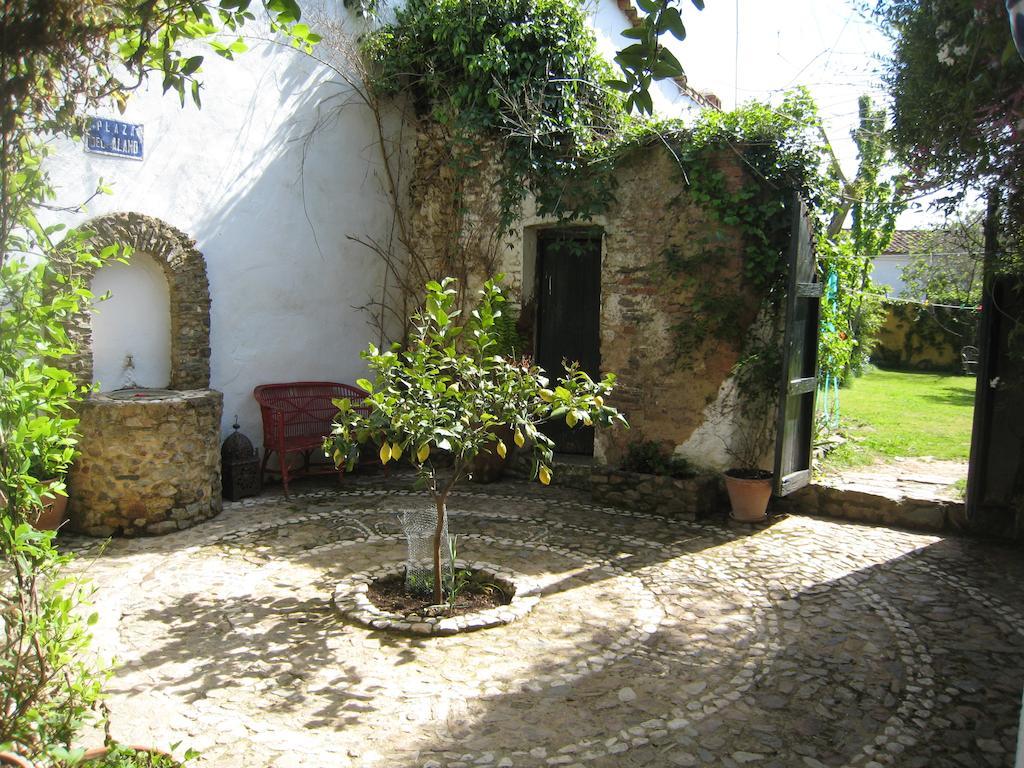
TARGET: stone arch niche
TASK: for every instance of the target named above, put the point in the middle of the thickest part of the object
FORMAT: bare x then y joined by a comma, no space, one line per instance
188,288
149,459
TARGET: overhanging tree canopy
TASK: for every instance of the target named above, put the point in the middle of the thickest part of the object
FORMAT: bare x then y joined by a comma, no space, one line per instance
957,85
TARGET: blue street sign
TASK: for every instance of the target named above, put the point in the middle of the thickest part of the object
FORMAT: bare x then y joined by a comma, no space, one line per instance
112,137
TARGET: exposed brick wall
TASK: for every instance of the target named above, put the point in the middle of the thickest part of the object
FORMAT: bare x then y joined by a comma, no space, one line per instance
665,387
664,390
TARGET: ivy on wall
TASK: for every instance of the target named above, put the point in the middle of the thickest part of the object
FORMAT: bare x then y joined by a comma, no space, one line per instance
516,89
522,74
522,78
923,337
779,151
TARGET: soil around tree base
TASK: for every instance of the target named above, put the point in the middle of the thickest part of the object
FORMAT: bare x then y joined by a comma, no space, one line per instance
388,594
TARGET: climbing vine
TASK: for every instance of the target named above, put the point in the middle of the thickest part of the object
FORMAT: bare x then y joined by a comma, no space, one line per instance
780,152
515,88
519,76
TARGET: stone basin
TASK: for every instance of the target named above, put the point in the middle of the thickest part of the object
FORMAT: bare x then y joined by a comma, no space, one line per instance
141,393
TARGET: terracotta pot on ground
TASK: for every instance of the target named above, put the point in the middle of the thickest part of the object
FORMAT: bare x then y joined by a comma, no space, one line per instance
490,467
13,760
54,508
749,491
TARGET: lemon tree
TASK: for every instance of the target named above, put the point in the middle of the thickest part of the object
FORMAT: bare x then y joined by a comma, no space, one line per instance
448,393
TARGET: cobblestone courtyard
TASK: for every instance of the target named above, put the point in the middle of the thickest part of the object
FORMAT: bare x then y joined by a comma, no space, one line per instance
655,642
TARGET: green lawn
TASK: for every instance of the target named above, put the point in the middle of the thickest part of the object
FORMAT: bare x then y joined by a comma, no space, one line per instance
892,413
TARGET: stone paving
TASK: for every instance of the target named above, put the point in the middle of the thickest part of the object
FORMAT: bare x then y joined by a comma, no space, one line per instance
654,642
923,478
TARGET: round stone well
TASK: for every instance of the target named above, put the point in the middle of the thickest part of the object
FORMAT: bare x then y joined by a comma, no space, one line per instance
149,462
149,458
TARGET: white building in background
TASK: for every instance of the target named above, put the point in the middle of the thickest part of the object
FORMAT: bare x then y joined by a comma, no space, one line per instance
888,266
906,246
271,178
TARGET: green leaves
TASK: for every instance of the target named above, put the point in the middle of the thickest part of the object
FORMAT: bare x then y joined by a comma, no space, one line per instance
449,390
523,74
47,683
647,59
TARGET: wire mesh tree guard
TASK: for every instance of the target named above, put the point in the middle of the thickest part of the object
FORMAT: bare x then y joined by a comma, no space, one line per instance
419,525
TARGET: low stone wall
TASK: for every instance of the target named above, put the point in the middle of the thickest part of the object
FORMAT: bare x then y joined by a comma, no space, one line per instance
146,466
704,496
924,339
918,515
687,498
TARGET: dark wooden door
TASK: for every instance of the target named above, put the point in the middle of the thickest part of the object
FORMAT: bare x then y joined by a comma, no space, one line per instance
568,317
795,432
995,475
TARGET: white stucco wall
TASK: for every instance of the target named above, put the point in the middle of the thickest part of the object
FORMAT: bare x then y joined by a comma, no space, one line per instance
270,177
270,202
131,330
888,270
608,22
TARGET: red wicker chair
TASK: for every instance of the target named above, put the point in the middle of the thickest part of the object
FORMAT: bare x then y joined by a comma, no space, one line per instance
296,418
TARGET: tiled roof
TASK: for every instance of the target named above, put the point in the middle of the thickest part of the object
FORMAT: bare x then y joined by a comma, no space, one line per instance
921,241
704,98
909,241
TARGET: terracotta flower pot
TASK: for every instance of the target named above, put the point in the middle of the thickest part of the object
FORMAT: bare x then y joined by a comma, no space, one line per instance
749,492
489,467
54,508
13,760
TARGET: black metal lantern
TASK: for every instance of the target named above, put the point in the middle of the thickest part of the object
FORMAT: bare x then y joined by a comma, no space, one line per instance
240,467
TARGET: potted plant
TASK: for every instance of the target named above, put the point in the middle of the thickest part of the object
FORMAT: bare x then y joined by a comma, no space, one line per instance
447,391
49,468
53,497
747,483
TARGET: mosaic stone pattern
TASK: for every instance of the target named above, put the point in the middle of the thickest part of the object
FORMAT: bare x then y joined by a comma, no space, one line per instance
654,642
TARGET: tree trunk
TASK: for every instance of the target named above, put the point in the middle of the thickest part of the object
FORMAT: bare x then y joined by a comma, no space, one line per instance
438,531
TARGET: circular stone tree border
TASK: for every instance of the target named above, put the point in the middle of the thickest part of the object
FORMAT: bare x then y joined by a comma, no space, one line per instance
350,597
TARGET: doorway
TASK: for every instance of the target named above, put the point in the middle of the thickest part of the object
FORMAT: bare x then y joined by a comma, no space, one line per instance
568,293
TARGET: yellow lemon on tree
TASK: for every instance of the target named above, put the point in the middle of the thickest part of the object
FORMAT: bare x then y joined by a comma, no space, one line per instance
598,401
545,475
502,450
423,452
570,418
385,453
520,440
396,451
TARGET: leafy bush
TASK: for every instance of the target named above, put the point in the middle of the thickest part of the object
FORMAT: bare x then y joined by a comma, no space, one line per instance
125,757
47,685
47,682
652,458
523,73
